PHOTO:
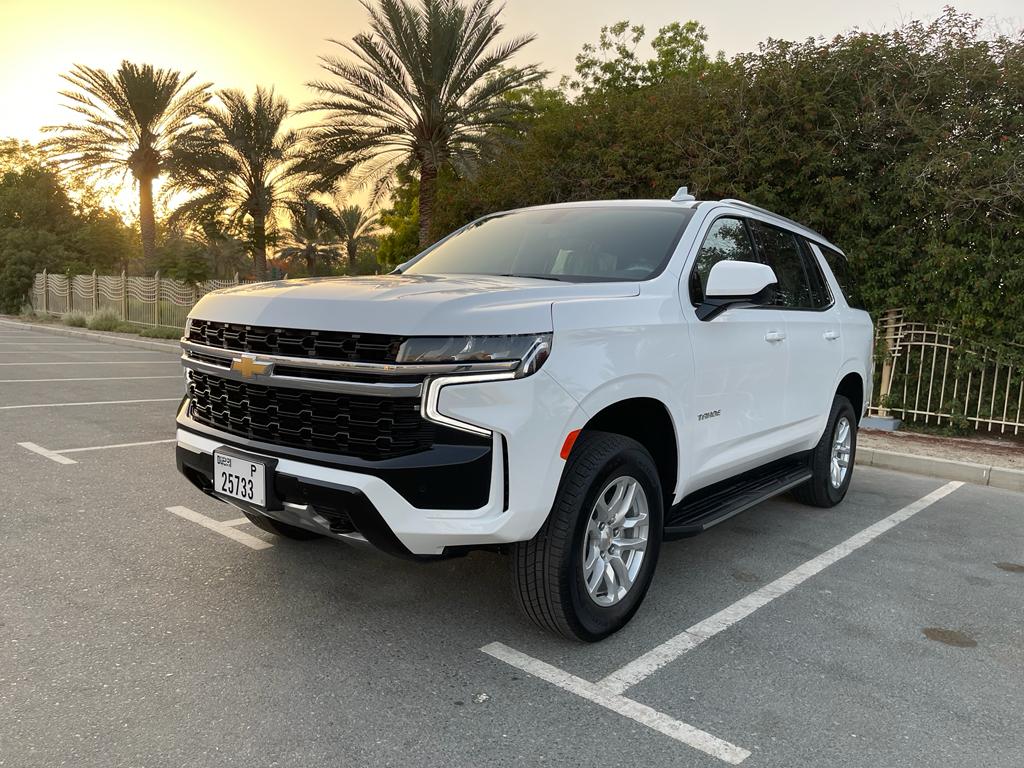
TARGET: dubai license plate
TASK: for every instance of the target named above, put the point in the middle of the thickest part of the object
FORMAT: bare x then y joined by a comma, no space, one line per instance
239,478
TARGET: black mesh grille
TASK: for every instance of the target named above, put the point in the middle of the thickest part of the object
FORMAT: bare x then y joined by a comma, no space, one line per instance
325,345
352,425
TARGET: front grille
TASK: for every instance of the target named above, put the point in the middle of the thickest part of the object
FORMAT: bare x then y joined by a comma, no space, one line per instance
270,340
353,425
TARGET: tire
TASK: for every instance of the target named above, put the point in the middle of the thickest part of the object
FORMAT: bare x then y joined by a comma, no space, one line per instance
278,528
821,490
548,571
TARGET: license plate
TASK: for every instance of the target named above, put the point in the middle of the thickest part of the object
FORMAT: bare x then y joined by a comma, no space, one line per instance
240,478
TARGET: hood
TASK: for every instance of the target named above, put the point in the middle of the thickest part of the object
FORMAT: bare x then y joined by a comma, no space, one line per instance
410,305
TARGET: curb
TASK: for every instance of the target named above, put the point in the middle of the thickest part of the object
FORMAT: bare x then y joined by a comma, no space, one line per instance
109,338
965,471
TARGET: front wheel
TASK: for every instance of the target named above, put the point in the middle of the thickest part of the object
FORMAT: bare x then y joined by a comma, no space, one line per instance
832,458
587,570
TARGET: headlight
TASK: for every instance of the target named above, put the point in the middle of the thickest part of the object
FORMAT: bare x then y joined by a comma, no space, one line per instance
531,350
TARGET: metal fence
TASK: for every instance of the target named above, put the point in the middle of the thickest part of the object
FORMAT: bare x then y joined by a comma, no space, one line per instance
157,301
931,374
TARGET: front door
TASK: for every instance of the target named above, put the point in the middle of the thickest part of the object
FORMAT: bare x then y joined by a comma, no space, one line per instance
740,363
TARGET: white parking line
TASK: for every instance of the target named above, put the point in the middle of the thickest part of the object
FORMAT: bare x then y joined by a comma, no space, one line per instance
60,458
608,692
222,528
640,713
643,667
116,445
51,344
52,455
96,378
102,362
93,402
236,521
83,352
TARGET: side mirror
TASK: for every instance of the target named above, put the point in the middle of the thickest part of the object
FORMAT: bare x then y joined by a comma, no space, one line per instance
737,282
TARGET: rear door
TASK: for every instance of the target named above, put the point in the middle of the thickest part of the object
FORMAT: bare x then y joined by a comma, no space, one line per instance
813,332
740,366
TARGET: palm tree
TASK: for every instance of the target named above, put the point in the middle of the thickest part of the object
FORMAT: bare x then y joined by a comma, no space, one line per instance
427,86
242,166
133,119
356,226
314,236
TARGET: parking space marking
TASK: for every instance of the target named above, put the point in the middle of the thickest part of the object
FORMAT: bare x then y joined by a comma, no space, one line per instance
92,402
608,692
115,445
52,455
634,710
51,344
60,458
95,378
84,352
236,521
101,362
643,667
222,528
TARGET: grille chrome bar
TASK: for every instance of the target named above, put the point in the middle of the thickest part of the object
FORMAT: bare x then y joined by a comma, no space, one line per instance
347,366
378,389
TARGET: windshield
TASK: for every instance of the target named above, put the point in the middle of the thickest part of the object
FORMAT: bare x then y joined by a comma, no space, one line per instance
572,244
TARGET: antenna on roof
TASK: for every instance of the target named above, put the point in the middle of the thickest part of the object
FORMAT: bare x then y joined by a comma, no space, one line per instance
682,195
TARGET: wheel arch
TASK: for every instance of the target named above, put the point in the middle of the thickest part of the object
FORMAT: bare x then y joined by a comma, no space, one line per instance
851,386
648,421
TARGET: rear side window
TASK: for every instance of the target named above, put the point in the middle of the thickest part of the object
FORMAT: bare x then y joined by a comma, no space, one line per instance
821,296
727,240
844,276
783,252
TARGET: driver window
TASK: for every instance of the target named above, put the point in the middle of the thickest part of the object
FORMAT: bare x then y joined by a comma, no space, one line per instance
727,240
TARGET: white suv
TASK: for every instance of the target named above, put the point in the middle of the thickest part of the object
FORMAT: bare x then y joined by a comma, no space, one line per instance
572,384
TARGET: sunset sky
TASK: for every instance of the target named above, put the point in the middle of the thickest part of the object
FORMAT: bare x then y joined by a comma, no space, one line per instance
242,43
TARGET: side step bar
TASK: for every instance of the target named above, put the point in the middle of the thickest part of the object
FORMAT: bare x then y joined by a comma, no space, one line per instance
716,503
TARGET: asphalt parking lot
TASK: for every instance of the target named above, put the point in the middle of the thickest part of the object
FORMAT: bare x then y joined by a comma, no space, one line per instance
144,624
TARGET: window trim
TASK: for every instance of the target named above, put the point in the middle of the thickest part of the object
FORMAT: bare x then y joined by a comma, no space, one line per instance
805,251
696,253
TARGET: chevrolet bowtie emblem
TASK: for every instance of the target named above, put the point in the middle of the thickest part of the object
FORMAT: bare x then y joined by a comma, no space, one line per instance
249,366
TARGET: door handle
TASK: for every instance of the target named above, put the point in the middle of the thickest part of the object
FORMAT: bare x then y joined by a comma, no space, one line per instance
774,336
831,335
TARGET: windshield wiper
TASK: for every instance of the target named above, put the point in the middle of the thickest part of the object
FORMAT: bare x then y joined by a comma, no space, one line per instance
535,277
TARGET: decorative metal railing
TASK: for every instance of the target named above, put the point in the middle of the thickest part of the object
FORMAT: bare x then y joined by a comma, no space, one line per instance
141,300
932,374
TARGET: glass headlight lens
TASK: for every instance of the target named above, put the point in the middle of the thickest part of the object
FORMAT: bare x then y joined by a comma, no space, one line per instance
530,348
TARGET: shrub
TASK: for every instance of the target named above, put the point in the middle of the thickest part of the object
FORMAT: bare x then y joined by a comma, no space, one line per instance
105,320
75,319
160,332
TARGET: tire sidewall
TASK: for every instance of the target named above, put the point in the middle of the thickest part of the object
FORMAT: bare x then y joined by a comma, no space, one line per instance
594,621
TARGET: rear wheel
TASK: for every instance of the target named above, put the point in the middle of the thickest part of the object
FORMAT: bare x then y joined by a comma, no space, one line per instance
278,528
587,570
832,458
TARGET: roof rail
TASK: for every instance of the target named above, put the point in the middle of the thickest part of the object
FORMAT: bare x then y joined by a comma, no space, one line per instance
797,224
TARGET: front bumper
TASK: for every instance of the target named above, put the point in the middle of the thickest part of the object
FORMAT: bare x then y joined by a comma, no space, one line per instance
499,494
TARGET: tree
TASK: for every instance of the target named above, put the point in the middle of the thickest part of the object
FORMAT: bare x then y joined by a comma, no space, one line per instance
428,84
613,64
132,121
241,165
314,235
357,226
46,225
904,147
